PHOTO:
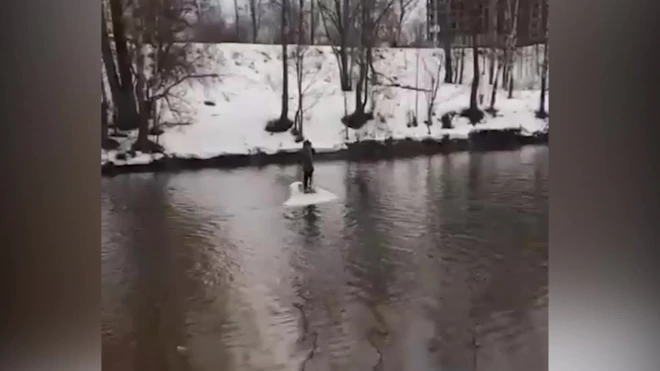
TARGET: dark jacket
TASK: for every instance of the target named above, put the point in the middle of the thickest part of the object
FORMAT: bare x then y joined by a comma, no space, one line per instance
308,158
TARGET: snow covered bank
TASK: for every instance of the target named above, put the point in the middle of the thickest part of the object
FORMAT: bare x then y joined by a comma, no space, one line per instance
228,116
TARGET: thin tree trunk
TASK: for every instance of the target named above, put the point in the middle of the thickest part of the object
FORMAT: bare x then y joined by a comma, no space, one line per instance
110,70
285,69
493,4
417,84
343,36
544,70
455,58
505,71
312,23
493,93
446,43
543,85
142,142
359,109
462,62
475,79
366,75
129,121
449,72
104,115
545,66
236,22
301,65
491,70
511,46
253,16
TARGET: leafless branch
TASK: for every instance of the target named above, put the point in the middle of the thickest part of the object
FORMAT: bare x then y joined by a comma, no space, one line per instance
166,91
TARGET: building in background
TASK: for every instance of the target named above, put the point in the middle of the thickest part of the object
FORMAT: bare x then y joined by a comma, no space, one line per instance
457,19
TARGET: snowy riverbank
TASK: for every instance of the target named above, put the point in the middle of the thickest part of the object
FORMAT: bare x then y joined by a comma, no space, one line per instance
226,117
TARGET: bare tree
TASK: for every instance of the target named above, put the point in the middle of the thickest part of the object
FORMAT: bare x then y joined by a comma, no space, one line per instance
372,13
237,21
110,70
493,93
127,111
511,16
299,61
476,12
312,22
432,93
401,9
446,45
211,25
285,70
461,62
161,62
545,64
255,8
441,18
104,115
338,17
493,38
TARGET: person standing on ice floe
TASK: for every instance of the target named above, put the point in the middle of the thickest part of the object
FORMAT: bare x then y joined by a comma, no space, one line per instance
307,157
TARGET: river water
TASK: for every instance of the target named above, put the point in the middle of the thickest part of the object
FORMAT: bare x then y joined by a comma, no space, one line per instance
432,263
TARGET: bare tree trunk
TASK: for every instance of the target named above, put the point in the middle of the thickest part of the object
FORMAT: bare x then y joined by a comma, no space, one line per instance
462,62
493,5
104,115
475,79
505,71
285,69
417,84
545,65
142,142
368,56
511,43
493,93
237,28
129,121
362,60
300,55
544,77
312,23
446,43
110,70
343,37
253,17
449,73
491,69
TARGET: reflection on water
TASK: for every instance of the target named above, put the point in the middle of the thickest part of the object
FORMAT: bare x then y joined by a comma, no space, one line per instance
435,263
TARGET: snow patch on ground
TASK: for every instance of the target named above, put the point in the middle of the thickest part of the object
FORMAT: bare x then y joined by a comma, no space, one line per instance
248,92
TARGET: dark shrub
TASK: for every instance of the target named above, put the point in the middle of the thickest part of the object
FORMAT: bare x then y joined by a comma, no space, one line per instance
357,120
279,125
156,130
474,115
109,144
446,120
542,115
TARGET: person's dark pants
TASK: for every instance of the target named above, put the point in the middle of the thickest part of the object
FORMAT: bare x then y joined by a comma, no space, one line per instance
307,179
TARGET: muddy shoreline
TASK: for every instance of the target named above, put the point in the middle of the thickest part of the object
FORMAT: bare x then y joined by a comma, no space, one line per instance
370,150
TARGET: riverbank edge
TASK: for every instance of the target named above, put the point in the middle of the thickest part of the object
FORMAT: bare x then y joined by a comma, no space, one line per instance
368,150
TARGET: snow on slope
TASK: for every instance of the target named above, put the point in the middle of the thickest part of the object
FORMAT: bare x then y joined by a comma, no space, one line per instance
248,93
